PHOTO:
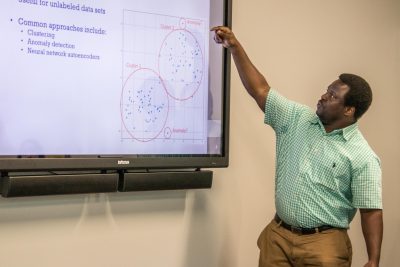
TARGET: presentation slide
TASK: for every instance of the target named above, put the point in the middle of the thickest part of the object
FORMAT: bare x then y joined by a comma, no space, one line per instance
101,77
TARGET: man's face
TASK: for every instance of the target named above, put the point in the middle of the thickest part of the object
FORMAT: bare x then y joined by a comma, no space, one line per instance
330,107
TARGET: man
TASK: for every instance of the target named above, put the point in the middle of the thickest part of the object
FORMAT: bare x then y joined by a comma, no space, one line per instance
325,170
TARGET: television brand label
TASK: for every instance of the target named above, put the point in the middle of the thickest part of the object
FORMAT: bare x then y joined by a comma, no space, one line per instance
123,162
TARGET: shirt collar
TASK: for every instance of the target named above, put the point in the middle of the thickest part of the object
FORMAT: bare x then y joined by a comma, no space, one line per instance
346,132
350,130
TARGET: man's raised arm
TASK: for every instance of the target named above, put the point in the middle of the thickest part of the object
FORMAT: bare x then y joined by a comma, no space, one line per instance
254,82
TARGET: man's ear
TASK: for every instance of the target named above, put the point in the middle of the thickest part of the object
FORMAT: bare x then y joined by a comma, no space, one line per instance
349,111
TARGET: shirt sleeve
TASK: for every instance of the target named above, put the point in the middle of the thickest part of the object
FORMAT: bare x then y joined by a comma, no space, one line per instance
280,112
366,185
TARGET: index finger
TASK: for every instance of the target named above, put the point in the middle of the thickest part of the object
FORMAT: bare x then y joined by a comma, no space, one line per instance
218,28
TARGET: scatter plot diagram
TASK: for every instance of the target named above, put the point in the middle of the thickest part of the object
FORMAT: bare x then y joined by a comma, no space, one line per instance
165,88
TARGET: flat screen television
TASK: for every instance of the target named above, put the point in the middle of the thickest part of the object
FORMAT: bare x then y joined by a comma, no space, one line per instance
111,85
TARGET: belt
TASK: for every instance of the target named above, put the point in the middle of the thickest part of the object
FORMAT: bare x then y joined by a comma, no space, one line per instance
301,231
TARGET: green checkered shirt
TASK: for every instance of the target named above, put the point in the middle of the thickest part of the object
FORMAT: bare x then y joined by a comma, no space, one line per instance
321,178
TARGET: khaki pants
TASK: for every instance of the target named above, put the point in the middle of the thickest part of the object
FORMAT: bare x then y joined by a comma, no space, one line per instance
280,247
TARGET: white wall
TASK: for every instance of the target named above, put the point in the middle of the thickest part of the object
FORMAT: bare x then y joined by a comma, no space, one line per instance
300,46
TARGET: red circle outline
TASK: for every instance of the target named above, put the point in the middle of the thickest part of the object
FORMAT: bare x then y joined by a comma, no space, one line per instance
202,61
121,104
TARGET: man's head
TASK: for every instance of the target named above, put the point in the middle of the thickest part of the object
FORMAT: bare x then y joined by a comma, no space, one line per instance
359,96
345,100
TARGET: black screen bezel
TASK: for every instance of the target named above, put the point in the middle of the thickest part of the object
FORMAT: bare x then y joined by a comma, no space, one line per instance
127,162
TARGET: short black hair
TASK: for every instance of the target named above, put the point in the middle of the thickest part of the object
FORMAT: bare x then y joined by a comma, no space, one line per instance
359,95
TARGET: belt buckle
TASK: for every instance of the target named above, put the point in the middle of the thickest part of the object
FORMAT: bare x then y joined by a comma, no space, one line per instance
296,230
